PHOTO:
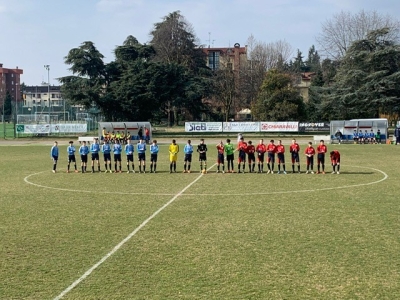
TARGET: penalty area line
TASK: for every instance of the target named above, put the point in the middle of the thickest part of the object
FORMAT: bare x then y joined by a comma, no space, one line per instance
117,247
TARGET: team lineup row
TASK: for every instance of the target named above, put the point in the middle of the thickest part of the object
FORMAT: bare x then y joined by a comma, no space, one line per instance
247,152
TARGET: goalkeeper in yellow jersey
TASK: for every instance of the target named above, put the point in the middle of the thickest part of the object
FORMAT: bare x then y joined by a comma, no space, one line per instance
173,155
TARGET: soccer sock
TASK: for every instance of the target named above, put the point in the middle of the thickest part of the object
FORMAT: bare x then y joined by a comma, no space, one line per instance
298,168
120,168
262,167
109,166
184,166
249,167
269,167
54,166
334,168
259,167
68,167
279,167
323,168
174,166
205,166
155,166
238,168
254,165
133,167
318,167
75,166
151,167
284,167
223,168
92,168
115,167
218,167
338,168
272,167
127,165
140,168
98,167
105,166
82,167
170,167
293,167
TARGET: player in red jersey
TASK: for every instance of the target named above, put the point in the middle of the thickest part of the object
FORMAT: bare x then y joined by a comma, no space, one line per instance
220,159
261,149
242,146
280,149
310,152
250,156
321,150
335,160
294,151
271,150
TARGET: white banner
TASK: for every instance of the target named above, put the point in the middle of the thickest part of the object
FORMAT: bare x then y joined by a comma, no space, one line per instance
69,128
203,126
241,127
279,126
54,128
37,129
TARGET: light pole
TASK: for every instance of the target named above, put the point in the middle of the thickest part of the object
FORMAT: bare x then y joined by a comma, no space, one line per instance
4,123
15,110
47,67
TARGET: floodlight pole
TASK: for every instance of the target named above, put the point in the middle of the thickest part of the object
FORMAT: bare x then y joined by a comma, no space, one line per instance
47,67
15,110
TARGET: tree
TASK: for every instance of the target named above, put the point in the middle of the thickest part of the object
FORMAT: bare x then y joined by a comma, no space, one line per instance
8,104
225,91
278,99
261,58
345,28
368,80
313,62
88,83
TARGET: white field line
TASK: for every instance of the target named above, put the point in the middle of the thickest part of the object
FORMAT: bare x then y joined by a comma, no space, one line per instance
117,247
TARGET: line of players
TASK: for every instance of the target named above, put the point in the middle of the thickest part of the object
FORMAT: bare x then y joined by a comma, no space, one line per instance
245,149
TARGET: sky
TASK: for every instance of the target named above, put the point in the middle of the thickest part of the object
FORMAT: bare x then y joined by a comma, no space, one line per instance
35,33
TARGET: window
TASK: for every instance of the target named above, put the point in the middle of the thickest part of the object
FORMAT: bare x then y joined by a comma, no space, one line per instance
38,96
229,66
53,95
213,60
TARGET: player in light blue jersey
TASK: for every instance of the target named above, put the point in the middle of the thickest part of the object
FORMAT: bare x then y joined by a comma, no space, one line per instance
71,156
117,149
95,149
129,149
54,155
188,150
83,152
106,150
153,156
141,150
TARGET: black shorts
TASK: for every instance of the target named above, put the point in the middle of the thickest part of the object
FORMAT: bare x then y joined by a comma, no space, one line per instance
220,159
84,158
295,157
202,157
129,157
153,157
117,157
271,157
261,157
188,158
71,158
55,157
242,156
107,156
310,160
281,158
321,158
230,157
95,156
141,156
251,157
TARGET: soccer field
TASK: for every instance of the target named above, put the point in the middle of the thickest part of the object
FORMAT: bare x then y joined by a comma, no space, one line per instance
200,236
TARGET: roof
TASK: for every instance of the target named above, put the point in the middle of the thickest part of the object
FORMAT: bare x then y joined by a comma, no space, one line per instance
42,89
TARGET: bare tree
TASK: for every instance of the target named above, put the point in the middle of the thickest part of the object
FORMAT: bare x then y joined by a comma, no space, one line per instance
345,28
261,58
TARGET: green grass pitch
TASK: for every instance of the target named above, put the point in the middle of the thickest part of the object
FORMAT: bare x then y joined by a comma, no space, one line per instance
226,236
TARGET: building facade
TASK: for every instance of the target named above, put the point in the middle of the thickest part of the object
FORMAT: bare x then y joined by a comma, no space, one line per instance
10,81
230,57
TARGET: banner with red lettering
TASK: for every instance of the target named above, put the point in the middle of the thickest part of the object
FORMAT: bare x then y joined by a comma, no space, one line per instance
279,126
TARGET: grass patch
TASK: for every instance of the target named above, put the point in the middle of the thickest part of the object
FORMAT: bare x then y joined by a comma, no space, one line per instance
229,236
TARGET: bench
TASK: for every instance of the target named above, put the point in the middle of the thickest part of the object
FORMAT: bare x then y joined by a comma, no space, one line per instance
87,139
346,138
326,138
